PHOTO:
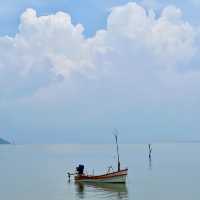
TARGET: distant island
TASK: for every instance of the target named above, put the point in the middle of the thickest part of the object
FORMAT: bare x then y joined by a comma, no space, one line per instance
2,141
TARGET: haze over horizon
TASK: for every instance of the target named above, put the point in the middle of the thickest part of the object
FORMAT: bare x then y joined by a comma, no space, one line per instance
72,71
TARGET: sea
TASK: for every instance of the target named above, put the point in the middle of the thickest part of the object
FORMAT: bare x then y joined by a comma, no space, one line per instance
39,172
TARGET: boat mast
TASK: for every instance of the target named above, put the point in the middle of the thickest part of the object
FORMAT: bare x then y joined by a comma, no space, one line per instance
116,140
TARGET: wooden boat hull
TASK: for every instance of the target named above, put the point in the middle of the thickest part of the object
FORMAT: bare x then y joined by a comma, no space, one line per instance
114,177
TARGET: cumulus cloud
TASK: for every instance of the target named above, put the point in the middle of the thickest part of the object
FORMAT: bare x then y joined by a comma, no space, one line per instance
44,49
137,45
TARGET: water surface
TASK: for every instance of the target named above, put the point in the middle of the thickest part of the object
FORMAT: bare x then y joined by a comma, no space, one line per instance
33,172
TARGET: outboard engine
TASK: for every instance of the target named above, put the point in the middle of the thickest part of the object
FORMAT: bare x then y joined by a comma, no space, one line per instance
80,169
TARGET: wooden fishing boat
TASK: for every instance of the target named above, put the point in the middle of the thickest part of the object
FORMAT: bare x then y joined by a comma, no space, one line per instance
113,177
118,176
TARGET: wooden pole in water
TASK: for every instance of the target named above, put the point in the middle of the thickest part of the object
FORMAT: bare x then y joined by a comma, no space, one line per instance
150,150
116,140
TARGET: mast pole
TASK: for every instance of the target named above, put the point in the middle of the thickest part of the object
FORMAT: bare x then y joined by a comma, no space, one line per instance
118,160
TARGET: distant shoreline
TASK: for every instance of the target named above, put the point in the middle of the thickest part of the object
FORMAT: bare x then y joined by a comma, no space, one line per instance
98,144
2,141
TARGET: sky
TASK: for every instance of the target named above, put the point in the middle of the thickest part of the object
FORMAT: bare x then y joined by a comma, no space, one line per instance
71,71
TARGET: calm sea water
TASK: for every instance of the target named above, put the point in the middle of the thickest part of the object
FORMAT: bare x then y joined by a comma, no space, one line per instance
32,172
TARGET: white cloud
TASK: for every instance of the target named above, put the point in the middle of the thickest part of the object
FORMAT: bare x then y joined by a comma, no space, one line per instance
44,48
136,45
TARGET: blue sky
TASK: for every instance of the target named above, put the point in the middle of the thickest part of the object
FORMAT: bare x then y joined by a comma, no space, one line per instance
74,80
92,14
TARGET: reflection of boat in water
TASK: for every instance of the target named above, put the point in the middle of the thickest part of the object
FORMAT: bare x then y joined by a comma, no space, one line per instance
118,187
118,176
105,190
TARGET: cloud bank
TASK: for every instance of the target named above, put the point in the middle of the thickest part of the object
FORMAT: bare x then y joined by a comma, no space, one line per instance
137,48
141,72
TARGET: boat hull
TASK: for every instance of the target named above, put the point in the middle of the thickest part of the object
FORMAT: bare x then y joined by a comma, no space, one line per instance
114,177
